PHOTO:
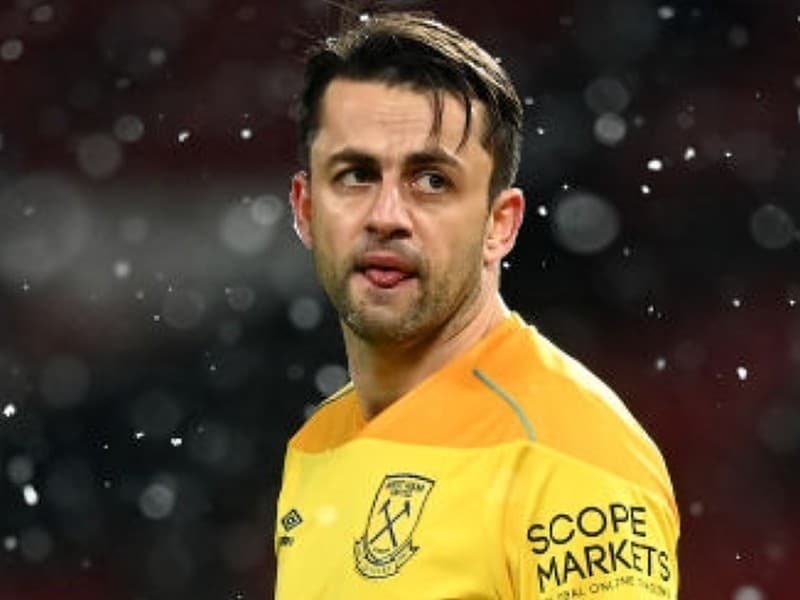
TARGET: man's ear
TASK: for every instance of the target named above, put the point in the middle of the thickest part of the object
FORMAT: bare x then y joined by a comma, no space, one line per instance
505,219
300,196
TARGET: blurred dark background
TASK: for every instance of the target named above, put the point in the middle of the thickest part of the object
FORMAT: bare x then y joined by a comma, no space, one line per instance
161,334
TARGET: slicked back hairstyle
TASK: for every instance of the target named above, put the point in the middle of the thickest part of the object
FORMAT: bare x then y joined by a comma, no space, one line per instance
413,48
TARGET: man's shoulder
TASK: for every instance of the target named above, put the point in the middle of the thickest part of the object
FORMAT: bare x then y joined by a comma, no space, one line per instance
566,407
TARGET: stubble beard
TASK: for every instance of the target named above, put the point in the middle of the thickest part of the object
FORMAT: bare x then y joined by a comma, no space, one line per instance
433,306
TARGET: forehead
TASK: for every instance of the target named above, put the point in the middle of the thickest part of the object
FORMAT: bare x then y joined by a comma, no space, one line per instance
391,118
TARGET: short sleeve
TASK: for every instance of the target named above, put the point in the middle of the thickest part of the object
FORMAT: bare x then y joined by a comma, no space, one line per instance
576,531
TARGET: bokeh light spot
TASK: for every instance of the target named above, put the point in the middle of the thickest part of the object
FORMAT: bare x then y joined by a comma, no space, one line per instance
584,223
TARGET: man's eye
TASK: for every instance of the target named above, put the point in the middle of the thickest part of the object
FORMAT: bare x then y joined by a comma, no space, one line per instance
352,177
431,183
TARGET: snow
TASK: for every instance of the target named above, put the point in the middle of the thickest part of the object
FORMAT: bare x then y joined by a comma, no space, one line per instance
30,495
610,129
122,269
43,13
129,128
748,592
11,49
666,12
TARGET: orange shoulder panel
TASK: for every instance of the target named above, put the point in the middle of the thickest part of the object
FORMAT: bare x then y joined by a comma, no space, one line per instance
336,421
574,412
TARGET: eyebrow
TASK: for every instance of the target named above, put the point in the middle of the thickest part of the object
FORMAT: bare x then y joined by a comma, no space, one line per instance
351,156
422,157
434,156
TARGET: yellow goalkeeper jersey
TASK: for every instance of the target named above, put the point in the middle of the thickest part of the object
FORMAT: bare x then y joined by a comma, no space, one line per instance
512,474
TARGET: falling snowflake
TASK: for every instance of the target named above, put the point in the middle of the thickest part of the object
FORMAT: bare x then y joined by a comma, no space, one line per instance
696,508
748,592
30,495
666,12
122,269
42,14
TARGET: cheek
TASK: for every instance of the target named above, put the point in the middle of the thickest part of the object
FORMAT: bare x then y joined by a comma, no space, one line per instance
456,249
331,236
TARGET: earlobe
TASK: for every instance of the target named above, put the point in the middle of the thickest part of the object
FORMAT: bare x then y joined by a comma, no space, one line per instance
301,207
504,223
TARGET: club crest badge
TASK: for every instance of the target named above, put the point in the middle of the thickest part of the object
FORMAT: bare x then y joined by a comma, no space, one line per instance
386,544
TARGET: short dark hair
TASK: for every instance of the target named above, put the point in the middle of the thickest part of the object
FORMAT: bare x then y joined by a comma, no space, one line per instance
414,48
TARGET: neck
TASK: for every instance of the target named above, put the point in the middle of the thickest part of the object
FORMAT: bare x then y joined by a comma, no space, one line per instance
382,374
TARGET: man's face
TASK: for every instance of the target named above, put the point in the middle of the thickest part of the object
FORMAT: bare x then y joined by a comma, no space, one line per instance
395,218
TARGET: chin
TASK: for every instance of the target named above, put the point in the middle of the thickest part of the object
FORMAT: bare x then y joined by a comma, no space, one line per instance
382,329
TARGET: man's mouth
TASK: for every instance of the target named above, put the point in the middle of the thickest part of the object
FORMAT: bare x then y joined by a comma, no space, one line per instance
385,270
385,278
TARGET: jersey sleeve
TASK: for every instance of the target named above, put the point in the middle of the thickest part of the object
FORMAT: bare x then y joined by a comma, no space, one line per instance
576,531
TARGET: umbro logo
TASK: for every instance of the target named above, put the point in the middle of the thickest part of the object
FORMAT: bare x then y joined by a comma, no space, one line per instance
291,520
288,522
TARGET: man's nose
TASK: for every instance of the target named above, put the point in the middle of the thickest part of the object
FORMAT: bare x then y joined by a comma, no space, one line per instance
388,216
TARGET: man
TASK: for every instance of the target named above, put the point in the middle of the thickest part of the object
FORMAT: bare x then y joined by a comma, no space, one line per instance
468,457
